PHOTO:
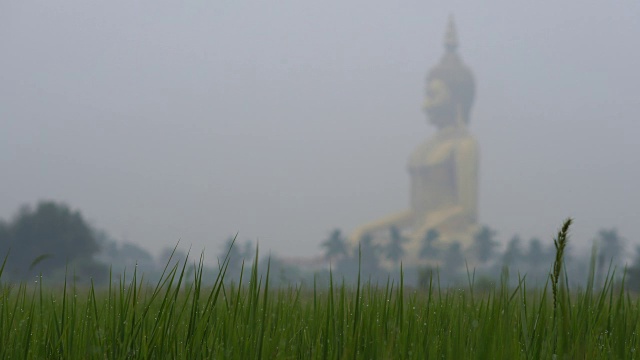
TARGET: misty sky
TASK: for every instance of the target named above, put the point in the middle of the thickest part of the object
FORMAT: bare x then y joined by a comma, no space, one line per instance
281,120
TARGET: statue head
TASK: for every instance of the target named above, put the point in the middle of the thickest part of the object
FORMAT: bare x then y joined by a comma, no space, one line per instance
450,86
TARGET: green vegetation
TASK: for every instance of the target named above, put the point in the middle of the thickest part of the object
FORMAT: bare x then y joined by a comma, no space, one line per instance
179,318
47,239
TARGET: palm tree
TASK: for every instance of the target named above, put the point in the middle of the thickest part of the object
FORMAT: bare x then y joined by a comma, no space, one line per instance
612,245
370,262
248,252
453,260
535,253
485,244
538,260
335,245
611,248
394,249
230,249
428,250
633,277
5,239
513,253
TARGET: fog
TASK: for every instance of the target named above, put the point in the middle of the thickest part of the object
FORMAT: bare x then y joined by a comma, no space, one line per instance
193,121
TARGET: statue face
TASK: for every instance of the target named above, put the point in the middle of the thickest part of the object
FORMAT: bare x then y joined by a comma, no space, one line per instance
438,104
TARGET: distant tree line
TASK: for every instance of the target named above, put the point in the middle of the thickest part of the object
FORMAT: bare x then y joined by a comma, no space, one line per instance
449,261
56,243
53,240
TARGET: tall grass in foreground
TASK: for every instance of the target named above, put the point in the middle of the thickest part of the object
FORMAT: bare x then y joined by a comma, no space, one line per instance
178,318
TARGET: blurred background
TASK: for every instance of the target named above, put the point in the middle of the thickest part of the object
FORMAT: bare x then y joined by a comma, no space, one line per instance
280,121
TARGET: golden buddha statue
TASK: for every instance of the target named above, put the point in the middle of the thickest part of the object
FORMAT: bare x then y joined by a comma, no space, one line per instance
444,169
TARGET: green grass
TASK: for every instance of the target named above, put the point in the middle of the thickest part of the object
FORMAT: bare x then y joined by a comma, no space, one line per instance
178,318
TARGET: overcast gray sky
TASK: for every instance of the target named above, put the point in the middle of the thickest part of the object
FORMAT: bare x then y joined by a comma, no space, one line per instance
280,120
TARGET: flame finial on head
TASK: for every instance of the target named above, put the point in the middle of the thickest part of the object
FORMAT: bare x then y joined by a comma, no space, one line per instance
455,75
451,36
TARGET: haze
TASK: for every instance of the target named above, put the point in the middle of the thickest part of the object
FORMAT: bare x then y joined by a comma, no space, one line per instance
165,121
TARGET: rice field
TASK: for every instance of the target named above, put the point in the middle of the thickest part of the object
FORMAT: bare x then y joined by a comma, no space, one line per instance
178,318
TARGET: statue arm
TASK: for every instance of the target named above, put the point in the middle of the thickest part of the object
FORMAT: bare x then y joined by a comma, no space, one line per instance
466,207
400,220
